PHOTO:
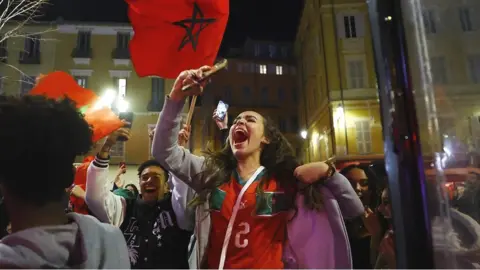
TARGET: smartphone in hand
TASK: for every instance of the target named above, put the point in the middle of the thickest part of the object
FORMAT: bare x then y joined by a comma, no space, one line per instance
127,116
222,109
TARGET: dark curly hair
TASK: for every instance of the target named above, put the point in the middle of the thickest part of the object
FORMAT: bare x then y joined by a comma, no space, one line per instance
279,161
150,163
45,136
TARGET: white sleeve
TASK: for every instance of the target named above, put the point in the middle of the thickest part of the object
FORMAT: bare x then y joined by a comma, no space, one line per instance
105,205
182,194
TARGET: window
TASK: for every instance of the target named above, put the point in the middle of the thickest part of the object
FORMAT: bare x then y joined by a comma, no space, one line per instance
474,68
429,22
281,94
364,137
257,50
264,96
82,81
350,26
272,51
294,124
439,70
83,41
356,74
122,40
26,84
293,70
262,69
465,19
32,46
284,51
121,86
279,70
158,94
3,50
118,150
249,67
282,124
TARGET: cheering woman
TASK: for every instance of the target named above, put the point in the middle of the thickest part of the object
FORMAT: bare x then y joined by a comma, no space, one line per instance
256,206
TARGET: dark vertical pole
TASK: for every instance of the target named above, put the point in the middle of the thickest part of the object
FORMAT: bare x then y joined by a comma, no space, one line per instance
403,157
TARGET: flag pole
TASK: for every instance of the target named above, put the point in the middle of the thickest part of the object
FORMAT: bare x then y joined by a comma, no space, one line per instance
192,108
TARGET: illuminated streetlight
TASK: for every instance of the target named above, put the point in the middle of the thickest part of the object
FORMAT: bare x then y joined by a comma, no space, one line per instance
122,105
303,134
106,100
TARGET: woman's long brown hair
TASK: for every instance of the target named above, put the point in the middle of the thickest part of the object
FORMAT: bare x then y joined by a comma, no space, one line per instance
279,161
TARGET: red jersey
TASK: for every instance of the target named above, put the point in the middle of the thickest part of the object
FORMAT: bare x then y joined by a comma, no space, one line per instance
258,231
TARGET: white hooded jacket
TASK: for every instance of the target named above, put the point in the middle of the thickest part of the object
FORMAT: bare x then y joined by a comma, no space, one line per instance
84,243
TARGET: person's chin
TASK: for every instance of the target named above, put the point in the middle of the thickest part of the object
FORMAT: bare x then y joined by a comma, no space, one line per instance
150,197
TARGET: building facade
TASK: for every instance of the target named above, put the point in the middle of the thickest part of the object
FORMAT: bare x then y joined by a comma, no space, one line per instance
446,69
97,56
261,77
22,57
339,111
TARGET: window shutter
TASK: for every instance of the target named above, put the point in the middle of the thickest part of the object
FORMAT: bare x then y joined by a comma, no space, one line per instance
340,26
360,24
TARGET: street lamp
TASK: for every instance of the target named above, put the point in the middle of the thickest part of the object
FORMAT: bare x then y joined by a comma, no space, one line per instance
122,105
106,100
303,134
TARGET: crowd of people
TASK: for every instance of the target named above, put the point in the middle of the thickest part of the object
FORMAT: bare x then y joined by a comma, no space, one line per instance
251,204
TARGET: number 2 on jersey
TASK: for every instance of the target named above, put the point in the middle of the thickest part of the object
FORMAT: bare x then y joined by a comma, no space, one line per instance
244,228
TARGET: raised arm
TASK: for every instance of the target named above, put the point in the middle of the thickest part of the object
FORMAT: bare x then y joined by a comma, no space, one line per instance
182,194
348,201
165,149
105,205
350,204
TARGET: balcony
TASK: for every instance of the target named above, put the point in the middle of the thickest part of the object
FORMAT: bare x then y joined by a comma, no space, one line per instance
121,57
82,56
26,58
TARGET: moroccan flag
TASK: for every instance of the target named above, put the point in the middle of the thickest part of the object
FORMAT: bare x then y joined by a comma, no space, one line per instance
175,35
103,121
59,84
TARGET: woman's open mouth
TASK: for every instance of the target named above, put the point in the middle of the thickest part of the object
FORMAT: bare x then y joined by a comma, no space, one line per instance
240,136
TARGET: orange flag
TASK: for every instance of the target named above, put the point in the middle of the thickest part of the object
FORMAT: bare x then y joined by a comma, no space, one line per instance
103,121
59,84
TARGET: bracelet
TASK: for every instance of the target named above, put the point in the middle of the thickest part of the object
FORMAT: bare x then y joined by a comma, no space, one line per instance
331,169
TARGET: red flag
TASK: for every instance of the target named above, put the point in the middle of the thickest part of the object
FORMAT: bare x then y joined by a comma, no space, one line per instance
103,121
59,84
175,35
79,205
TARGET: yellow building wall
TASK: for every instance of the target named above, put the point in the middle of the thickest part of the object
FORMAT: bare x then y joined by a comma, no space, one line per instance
322,60
12,70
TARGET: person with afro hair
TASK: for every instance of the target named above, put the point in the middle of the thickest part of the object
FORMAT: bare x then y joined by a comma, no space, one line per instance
39,141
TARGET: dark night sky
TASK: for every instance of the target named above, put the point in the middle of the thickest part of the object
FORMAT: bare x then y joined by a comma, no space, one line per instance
274,20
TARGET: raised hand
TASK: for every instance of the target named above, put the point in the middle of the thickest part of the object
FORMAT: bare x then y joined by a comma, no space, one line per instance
184,135
220,124
188,77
